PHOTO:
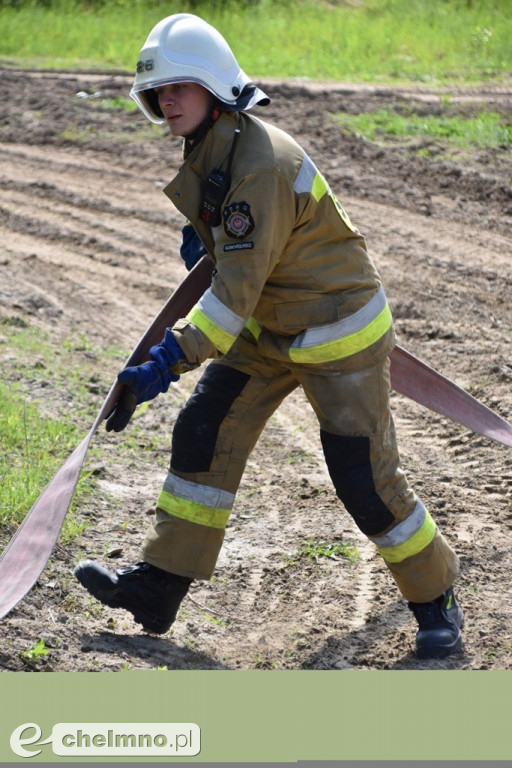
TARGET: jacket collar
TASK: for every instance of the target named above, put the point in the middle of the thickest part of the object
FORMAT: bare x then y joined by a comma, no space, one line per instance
214,148
185,190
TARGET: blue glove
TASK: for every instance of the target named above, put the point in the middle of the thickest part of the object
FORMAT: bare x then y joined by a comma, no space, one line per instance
146,381
192,249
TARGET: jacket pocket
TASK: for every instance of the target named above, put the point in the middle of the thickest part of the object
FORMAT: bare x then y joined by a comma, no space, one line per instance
295,316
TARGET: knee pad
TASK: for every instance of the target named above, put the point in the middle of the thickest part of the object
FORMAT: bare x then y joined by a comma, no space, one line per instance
197,427
349,465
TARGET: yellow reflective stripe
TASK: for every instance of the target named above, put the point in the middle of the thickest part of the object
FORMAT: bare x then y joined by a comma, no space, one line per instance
310,180
337,349
253,327
416,543
220,338
216,320
319,187
318,190
192,511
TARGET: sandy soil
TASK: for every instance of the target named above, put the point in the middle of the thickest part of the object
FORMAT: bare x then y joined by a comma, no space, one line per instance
90,245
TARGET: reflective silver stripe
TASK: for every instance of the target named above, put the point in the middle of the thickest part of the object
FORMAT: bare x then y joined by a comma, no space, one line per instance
199,494
404,530
314,337
305,177
219,314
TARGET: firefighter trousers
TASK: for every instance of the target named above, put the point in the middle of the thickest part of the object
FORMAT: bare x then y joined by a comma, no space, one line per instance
219,426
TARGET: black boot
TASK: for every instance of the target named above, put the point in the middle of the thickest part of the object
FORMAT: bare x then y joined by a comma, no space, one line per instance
152,595
440,622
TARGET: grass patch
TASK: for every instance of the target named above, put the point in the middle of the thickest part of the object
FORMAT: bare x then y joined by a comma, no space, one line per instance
131,133
32,448
119,104
69,371
487,129
439,40
318,550
50,396
32,655
38,429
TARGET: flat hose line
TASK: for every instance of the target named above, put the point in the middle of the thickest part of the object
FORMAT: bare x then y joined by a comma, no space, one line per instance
26,555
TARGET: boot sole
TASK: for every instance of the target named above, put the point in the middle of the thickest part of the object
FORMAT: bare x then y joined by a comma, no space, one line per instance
149,622
440,652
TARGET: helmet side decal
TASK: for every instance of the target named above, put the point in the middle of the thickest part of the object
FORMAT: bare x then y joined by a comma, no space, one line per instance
145,66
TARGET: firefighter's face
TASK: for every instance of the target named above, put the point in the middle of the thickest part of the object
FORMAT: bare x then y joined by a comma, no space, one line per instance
184,106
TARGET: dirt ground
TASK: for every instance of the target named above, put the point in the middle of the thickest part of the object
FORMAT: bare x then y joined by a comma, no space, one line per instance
90,245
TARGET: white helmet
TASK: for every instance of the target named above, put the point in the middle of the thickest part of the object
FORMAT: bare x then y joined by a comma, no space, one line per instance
184,48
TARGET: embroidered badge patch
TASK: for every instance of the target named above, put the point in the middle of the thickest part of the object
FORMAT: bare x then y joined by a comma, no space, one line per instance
238,222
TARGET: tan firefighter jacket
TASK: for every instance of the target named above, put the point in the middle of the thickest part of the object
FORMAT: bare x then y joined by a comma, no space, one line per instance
290,266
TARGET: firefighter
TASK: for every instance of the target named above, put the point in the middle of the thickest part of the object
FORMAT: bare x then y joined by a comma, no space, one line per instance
295,301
